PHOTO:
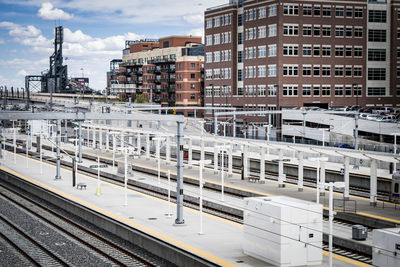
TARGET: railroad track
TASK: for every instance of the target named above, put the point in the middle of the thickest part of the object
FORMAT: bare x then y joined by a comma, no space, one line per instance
114,253
195,205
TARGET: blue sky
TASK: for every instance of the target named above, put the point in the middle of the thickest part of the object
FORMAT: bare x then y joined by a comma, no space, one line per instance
94,32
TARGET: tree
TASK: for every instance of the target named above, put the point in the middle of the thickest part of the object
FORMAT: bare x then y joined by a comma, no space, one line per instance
142,98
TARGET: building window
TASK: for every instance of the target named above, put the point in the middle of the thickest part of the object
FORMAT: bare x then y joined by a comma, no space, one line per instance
240,38
272,50
326,51
272,11
271,70
272,30
377,54
306,89
349,12
398,52
339,51
307,10
339,31
377,16
358,32
209,57
262,12
317,70
357,72
192,76
306,50
317,30
261,71
349,51
217,38
349,31
240,20
306,70
339,12
261,90
291,10
317,11
316,90
338,90
358,13
217,74
290,70
348,91
192,96
326,11
376,35
376,74
209,40
290,30
208,74
261,51
398,33
398,72
376,91
339,71
326,31
358,52
290,90
326,90
307,30
208,91
272,88
217,22
208,23
326,71
217,56
317,50
262,31
240,56
240,75
290,50
348,71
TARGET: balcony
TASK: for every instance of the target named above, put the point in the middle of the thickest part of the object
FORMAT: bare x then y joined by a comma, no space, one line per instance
171,70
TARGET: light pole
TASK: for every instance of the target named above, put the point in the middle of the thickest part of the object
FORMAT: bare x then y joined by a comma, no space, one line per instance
395,150
318,160
356,91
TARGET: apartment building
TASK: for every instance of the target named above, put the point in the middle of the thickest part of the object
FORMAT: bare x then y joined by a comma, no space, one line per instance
274,54
168,70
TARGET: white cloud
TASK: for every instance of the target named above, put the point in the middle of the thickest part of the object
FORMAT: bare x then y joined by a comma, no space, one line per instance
22,73
48,12
194,19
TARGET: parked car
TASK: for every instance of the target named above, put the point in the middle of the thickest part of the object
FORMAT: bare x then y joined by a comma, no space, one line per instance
387,118
363,115
345,146
383,110
373,117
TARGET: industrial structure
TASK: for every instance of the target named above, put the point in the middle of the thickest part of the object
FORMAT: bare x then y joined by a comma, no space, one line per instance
56,80
169,71
269,55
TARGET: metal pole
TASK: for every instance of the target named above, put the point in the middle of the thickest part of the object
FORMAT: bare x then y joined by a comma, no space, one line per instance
201,196
1,140
114,147
158,160
169,194
80,141
215,125
300,171
395,152
317,181
58,150
190,154
98,188
41,160
179,177
234,124
356,160
126,177
27,154
330,222
147,146
15,144
222,175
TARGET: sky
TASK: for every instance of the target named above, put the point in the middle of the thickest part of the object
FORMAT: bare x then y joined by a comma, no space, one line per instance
94,32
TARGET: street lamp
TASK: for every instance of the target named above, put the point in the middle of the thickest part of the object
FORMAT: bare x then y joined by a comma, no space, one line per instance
356,91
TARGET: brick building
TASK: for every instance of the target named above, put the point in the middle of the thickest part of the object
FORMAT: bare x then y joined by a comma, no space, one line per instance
273,54
169,70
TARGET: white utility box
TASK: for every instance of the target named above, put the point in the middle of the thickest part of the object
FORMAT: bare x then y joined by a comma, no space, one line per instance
283,231
386,247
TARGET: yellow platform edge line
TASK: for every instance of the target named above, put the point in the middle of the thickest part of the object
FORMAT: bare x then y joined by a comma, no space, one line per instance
140,227
348,260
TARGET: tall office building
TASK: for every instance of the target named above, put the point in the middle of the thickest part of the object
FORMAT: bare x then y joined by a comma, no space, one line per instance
274,54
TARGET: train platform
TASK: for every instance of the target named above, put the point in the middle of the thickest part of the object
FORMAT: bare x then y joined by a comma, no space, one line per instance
219,243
